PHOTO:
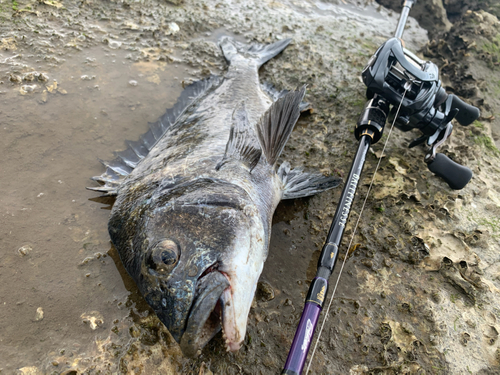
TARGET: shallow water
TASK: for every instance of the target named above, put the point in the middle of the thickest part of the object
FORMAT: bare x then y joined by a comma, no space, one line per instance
51,144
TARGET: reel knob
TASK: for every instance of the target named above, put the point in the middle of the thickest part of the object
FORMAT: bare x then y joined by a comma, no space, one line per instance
467,113
454,174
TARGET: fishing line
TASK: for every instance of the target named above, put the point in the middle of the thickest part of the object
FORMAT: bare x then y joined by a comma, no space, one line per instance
407,87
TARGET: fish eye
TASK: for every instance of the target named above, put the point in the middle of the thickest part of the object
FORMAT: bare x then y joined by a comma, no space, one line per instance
163,256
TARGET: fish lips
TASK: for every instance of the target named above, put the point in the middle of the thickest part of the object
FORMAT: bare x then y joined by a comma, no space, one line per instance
203,321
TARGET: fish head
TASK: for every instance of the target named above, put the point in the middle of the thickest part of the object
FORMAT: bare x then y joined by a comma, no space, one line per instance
201,251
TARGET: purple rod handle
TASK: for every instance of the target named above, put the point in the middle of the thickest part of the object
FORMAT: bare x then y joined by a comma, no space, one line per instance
302,340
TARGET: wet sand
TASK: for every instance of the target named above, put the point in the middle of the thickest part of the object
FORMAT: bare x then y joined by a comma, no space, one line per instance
50,150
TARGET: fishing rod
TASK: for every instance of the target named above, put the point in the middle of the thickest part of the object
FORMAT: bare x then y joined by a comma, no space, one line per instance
407,90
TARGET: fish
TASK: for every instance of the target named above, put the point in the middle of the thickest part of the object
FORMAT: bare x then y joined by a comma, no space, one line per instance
196,194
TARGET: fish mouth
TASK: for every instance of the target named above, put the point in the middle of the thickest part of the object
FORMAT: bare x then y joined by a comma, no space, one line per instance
206,317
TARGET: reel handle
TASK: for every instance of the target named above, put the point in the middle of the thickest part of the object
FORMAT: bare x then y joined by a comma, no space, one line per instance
454,174
467,113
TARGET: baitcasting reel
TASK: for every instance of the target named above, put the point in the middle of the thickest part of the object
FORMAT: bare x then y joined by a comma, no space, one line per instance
395,76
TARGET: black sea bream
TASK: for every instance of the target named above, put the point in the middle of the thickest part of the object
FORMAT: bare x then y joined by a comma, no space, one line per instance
196,196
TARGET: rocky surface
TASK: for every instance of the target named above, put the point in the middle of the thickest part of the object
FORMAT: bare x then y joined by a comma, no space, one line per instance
437,16
430,14
420,289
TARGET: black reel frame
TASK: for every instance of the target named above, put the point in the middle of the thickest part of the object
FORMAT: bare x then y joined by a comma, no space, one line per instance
395,76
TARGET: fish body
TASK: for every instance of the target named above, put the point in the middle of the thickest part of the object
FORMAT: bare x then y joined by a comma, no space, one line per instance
196,196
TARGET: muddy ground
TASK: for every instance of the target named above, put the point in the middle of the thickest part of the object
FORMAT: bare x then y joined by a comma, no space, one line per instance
419,292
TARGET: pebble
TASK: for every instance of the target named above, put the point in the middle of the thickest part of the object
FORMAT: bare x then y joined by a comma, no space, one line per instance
52,88
24,250
367,263
86,260
132,83
94,319
29,370
31,76
27,89
172,28
43,77
15,78
113,44
39,314
265,291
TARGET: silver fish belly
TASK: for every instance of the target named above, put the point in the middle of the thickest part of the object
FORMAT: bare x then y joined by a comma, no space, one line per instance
196,196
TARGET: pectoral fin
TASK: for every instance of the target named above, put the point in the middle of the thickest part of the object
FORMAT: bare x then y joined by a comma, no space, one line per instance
298,184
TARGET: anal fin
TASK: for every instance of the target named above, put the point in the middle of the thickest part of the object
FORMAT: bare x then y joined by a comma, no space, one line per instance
242,144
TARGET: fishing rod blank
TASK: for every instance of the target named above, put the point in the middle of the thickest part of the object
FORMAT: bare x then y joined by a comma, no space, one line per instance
369,131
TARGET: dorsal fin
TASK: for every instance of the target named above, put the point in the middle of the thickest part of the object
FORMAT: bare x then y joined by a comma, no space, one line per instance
242,144
276,124
127,160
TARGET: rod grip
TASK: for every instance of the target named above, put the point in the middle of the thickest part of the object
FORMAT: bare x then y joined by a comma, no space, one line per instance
454,174
302,340
467,113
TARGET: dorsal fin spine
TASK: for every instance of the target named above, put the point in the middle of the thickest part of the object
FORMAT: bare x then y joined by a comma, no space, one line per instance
126,161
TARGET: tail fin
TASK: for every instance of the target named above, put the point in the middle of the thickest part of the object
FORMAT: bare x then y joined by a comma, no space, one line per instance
261,52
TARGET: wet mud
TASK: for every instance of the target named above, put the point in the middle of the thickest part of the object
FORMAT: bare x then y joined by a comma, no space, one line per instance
419,291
